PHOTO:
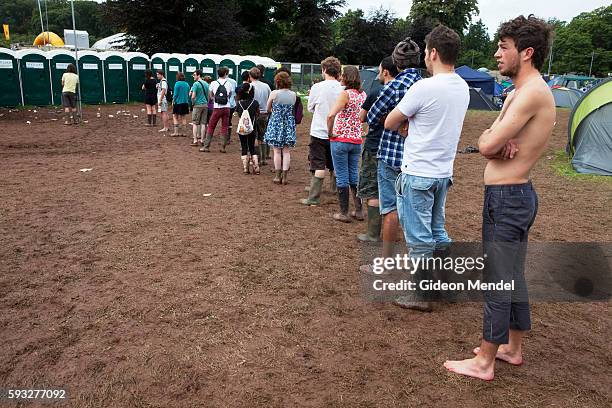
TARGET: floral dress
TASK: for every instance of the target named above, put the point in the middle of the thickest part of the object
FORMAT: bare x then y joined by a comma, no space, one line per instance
281,125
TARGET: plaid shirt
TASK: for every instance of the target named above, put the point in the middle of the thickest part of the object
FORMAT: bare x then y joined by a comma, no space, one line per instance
391,147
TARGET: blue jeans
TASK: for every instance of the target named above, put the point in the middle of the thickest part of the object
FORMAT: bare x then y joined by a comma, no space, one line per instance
387,197
346,162
420,207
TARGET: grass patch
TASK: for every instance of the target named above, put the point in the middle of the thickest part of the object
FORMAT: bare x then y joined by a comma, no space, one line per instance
563,166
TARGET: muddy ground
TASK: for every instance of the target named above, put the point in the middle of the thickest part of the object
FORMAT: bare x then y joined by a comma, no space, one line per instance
128,287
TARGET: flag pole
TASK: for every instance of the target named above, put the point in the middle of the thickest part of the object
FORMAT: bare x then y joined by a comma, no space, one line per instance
76,59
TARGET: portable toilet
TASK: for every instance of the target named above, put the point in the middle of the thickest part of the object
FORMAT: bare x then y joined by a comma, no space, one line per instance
115,76
210,63
59,61
175,65
10,85
158,61
192,62
35,77
246,63
231,61
137,64
91,80
271,67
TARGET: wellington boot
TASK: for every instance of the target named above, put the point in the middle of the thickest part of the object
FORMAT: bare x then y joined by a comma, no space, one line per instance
314,194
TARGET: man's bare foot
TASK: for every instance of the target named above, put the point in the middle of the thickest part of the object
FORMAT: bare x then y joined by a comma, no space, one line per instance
504,355
471,368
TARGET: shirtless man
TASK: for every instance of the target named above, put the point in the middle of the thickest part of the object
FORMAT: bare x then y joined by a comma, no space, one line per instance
512,145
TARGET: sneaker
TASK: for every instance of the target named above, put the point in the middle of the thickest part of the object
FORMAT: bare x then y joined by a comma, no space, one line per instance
204,149
163,130
406,303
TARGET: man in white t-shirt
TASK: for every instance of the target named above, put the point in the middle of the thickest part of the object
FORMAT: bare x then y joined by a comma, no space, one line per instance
221,109
323,96
432,113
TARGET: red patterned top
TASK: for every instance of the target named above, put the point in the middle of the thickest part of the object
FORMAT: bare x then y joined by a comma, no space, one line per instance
347,127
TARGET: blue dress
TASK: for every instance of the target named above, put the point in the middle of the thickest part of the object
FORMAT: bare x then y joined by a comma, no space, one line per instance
281,126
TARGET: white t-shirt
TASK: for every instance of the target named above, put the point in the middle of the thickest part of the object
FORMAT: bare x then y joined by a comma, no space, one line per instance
214,85
435,108
323,96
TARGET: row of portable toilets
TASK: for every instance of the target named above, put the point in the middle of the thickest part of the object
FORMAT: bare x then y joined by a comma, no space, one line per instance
34,77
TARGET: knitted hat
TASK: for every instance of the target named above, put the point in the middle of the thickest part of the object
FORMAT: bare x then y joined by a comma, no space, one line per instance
406,54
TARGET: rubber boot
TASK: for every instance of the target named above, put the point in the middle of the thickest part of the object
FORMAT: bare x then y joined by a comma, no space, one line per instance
75,118
245,164
206,145
223,143
358,213
284,177
343,201
154,120
255,164
175,131
332,182
277,177
314,195
267,147
374,224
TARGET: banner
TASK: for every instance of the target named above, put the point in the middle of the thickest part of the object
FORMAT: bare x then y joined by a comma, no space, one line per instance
7,34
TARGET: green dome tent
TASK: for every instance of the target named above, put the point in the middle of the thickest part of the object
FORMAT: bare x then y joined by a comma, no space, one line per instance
590,131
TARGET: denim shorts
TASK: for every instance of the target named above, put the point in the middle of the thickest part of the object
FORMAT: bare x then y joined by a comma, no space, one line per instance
387,196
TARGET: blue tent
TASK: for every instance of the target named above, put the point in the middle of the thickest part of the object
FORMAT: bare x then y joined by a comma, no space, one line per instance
477,79
498,89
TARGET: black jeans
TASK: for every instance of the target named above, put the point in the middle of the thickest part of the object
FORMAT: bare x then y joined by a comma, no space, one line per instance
508,213
247,143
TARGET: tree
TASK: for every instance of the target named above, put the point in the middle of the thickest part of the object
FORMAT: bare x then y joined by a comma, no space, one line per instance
455,14
363,39
309,37
476,48
196,26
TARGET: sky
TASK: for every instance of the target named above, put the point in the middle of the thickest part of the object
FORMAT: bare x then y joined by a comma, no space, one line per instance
493,12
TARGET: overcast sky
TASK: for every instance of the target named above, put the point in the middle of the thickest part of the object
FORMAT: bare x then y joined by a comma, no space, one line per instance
493,12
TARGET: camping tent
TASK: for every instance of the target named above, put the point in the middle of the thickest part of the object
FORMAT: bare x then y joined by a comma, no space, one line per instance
565,97
137,63
477,79
480,101
35,77
590,131
115,41
571,81
59,60
369,79
10,85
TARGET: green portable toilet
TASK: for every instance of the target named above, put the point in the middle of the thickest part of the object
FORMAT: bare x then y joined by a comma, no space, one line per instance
10,85
246,63
271,66
91,77
137,64
192,62
115,76
59,61
174,65
158,61
231,61
209,64
35,77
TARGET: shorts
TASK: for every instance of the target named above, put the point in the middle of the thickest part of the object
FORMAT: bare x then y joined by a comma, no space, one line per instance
199,115
150,100
163,107
261,124
180,108
387,195
69,99
368,175
319,154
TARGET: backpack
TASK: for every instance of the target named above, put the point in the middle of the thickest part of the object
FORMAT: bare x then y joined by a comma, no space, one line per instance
221,96
169,95
245,124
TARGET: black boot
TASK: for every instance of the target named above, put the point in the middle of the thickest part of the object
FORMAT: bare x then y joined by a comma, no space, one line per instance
358,213
343,201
